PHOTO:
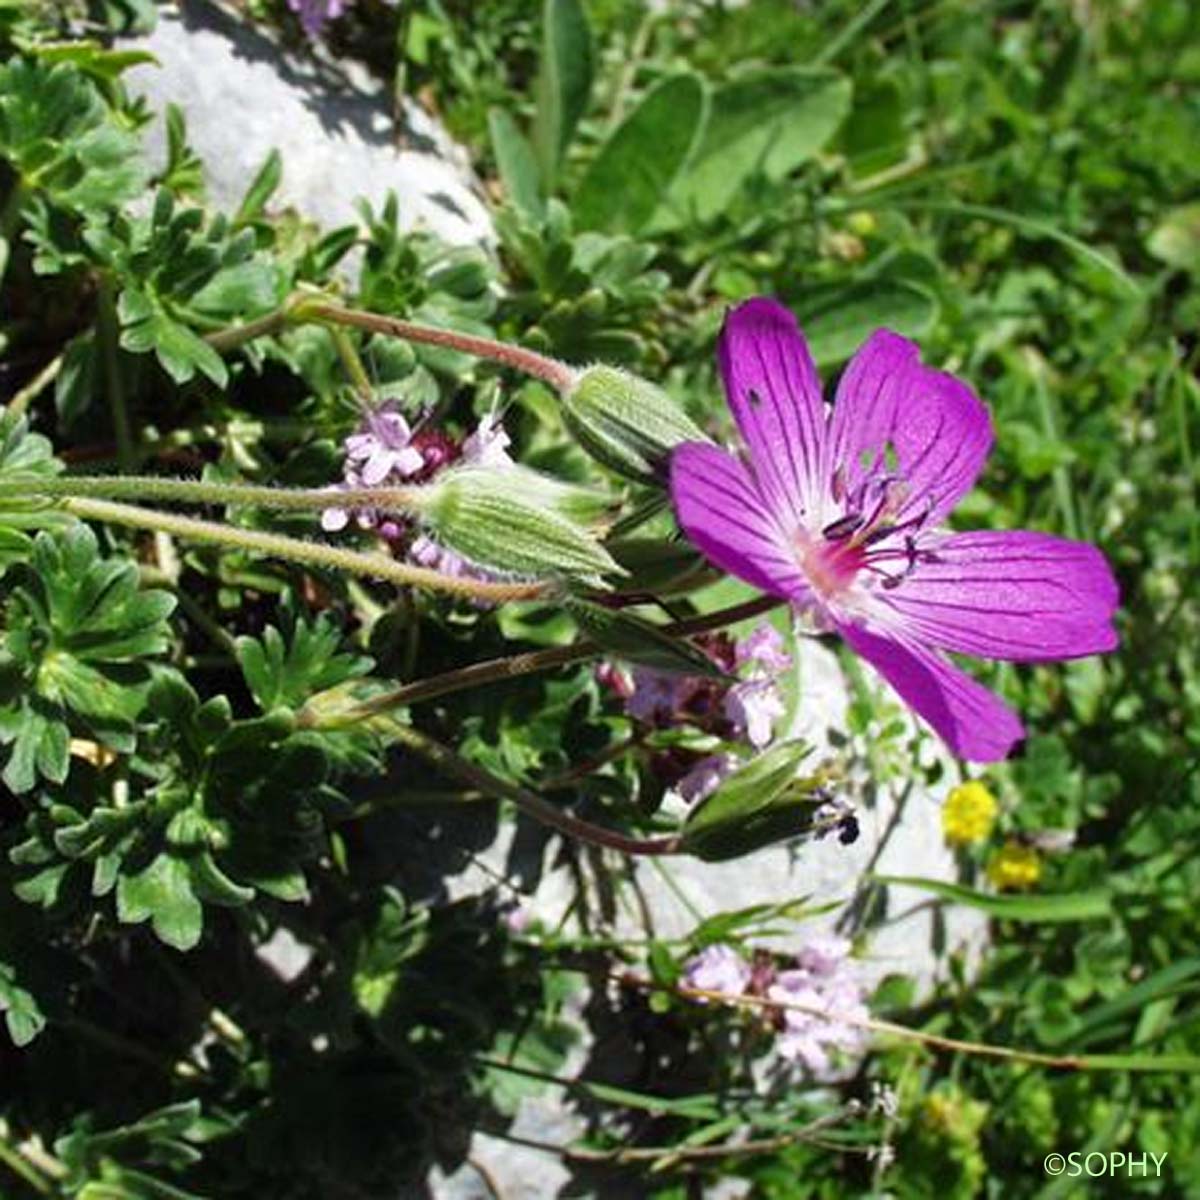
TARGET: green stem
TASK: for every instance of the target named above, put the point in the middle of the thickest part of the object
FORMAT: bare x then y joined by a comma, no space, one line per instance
20,403
127,1048
10,214
869,1024
559,375
452,764
849,32
496,669
290,549
569,778
1048,411
359,378
938,1041
304,309
198,615
1179,385
225,340
107,328
164,490
12,1158
629,73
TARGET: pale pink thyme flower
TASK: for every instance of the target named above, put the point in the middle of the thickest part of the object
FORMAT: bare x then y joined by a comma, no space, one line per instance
755,704
315,14
717,968
824,983
706,776
749,708
385,451
488,445
381,451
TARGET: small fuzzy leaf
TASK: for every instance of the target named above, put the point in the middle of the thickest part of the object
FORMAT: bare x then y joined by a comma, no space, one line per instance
22,1015
180,351
162,894
283,672
246,290
262,187
213,885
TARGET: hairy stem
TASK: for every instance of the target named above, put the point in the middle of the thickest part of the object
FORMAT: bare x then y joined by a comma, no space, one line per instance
454,765
302,309
291,549
196,491
359,379
559,375
19,404
225,340
512,667
1068,1062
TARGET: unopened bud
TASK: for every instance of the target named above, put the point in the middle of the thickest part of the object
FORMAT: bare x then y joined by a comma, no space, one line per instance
512,521
626,423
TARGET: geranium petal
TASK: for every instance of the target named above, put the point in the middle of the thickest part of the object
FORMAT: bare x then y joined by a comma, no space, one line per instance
1020,596
724,516
775,396
936,426
973,722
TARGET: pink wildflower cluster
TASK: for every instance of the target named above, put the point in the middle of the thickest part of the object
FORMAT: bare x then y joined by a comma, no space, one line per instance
744,711
315,14
822,985
386,451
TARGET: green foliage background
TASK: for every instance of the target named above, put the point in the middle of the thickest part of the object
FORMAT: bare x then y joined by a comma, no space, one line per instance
1012,182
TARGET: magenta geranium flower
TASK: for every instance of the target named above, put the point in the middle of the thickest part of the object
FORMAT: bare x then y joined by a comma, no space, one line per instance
839,512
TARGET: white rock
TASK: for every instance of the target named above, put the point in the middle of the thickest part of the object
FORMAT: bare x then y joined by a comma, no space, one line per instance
900,834
243,95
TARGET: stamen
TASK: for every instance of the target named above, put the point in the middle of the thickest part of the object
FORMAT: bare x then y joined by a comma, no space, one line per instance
879,533
842,528
838,487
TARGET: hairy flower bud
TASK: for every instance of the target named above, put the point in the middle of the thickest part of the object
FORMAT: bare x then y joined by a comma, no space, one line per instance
516,521
626,423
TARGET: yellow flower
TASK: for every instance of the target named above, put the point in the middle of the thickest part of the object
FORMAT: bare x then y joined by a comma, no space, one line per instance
968,814
1014,866
862,223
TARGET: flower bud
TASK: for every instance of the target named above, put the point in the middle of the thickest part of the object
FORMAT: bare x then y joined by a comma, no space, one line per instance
764,801
511,520
626,423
